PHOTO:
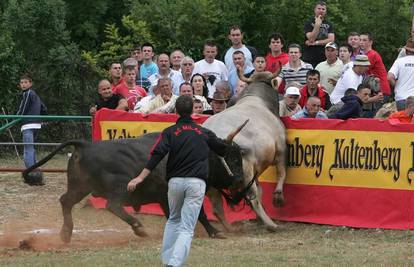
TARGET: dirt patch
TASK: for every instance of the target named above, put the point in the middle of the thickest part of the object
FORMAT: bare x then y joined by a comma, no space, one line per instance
31,217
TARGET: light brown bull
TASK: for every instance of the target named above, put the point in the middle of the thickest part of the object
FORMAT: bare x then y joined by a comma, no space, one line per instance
263,140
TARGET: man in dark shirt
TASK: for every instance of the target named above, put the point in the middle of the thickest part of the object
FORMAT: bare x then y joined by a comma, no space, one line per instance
352,107
107,99
188,145
318,33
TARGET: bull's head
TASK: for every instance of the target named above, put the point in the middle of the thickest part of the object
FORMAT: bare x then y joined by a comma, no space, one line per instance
265,76
227,172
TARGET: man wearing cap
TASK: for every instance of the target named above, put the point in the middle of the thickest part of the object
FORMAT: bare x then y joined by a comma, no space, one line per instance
401,76
313,88
318,33
351,78
312,109
331,68
289,105
376,67
218,104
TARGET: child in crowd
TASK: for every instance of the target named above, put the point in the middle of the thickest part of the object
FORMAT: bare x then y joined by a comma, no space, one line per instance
31,104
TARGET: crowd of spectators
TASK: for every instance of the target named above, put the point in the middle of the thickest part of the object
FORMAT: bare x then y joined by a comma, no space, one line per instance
319,79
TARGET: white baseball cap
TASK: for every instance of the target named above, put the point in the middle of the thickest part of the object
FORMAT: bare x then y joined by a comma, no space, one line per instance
292,91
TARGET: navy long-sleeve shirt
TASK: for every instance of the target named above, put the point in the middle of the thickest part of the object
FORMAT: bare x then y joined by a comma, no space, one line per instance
188,145
31,104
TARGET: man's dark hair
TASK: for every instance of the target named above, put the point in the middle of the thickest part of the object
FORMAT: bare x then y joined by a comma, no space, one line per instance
321,3
295,46
238,52
210,43
136,47
197,101
147,44
184,105
26,77
347,46
275,36
184,83
350,91
235,27
312,73
362,86
256,56
353,34
367,34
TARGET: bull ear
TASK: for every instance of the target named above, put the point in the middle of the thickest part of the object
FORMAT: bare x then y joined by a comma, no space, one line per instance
231,135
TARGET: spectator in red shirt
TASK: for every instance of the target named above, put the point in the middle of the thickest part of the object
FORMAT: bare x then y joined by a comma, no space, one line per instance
276,58
406,115
128,89
115,71
313,88
376,67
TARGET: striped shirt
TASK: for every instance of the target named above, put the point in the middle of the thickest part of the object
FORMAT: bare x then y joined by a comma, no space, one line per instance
291,75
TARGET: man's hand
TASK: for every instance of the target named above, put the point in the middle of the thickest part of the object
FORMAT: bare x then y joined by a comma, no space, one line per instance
92,110
134,182
137,180
318,20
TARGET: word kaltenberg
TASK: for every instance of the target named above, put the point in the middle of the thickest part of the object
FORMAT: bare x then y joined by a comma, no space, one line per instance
348,155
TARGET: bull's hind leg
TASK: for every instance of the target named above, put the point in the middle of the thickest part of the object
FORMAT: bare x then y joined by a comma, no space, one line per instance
115,205
67,201
280,162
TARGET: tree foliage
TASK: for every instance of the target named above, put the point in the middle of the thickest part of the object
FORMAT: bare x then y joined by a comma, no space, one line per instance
68,45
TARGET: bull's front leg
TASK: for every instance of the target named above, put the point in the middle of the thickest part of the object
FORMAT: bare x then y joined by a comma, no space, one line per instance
280,162
217,202
212,232
255,197
115,205
67,201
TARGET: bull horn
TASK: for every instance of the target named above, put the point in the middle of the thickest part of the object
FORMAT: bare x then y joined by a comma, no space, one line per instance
231,135
242,77
273,80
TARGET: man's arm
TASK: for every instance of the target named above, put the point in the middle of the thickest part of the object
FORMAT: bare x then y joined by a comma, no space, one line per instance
391,79
122,104
347,110
219,146
159,150
311,36
24,104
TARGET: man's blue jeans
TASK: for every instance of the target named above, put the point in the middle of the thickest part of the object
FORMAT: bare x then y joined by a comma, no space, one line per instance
185,197
29,154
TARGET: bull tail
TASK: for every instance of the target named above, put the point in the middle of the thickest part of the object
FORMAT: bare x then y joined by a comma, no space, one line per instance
76,143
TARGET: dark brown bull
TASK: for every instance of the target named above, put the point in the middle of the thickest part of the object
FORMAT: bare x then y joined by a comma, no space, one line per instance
105,168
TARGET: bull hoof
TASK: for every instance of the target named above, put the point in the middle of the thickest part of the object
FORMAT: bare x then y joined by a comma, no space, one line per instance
65,236
218,235
272,228
139,231
278,199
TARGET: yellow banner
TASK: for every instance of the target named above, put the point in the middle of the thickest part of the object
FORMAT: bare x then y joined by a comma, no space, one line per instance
350,158
130,129
322,157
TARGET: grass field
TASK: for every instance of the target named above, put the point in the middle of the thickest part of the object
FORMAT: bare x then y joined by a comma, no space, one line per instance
101,239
